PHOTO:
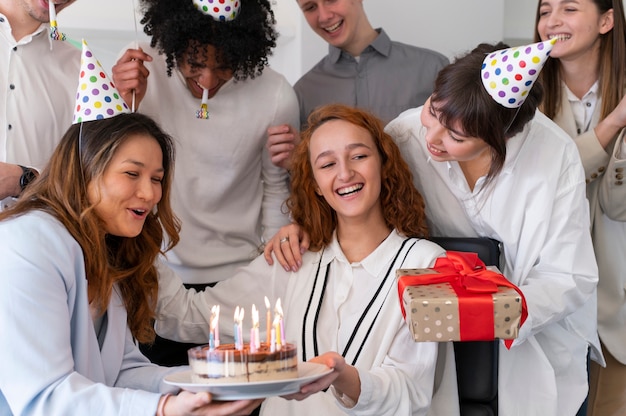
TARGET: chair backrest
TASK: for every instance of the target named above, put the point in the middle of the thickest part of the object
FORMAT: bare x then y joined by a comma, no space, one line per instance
476,361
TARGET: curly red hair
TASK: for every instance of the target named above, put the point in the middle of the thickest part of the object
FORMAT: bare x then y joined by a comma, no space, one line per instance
402,204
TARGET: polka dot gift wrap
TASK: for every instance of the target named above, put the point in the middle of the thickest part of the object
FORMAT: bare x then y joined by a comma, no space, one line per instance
432,311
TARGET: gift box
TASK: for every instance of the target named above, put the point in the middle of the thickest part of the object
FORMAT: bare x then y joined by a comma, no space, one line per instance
460,299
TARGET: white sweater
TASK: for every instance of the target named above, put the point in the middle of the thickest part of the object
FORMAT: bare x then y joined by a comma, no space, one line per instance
226,191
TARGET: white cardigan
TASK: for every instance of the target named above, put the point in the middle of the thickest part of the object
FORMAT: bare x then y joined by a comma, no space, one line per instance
396,373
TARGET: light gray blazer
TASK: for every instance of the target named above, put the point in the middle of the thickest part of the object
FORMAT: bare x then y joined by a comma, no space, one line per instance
606,191
53,362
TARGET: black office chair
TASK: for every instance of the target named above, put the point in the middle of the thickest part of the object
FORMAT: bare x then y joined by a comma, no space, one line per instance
476,361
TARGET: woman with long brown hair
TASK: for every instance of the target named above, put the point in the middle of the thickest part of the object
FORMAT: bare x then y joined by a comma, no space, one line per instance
584,94
79,282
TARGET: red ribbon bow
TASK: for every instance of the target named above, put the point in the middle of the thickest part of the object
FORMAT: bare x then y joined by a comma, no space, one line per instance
474,284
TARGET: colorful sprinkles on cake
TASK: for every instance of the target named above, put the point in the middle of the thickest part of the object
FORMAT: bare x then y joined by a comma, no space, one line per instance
54,30
219,10
509,74
96,97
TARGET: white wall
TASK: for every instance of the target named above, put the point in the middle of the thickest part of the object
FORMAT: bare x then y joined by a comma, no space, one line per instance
519,23
450,26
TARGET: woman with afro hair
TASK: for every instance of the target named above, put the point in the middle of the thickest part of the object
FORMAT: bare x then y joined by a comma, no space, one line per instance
204,78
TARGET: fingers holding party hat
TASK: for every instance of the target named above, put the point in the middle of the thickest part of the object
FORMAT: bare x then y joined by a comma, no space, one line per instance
509,74
96,97
54,30
220,10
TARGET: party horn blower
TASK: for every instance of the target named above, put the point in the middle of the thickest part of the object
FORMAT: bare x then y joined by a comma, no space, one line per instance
203,112
54,31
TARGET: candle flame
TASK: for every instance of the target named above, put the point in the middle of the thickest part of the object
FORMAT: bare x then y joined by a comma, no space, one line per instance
278,310
255,316
267,302
215,316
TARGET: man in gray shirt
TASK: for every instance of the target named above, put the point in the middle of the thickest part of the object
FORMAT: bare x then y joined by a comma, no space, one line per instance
363,68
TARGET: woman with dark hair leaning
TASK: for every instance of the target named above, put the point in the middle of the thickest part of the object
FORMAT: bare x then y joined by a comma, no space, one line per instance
488,164
79,282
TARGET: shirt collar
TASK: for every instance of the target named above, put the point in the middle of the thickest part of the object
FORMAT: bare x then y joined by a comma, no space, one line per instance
375,262
592,93
382,45
5,26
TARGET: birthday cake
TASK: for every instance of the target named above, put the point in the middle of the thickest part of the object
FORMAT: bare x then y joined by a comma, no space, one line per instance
226,364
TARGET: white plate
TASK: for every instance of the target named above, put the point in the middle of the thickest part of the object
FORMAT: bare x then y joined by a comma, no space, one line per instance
307,373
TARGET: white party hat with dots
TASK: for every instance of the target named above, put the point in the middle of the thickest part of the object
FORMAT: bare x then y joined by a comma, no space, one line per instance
220,10
96,96
509,74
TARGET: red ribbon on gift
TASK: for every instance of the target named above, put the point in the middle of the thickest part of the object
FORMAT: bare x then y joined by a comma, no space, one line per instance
474,284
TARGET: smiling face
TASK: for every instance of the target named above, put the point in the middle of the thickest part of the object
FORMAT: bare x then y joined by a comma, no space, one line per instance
446,144
577,24
38,10
347,168
338,22
208,74
27,15
129,187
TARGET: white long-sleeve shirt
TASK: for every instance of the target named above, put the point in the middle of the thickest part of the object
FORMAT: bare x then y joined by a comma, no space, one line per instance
38,80
396,372
537,208
226,190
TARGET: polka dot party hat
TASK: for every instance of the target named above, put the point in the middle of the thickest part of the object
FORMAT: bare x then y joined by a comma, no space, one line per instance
220,10
509,74
96,97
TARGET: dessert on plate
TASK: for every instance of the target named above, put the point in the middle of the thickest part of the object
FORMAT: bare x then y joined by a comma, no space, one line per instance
227,364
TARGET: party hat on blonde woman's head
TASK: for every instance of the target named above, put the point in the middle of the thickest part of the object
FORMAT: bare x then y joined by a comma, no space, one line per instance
509,74
96,97
220,10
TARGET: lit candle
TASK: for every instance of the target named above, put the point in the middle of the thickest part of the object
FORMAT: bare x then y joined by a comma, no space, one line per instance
273,340
255,328
252,341
278,318
240,329
236,328
276,333
281,333
215,325
268,320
